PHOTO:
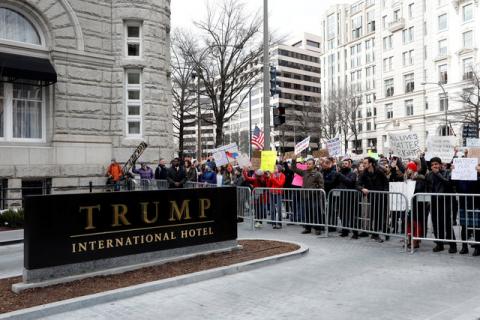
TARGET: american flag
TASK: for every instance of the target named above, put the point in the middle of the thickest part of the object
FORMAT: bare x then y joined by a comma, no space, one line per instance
258,138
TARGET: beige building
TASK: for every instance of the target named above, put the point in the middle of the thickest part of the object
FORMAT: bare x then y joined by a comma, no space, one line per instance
81,82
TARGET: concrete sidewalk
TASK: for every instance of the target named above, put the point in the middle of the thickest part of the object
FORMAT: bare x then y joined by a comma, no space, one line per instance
339,279
11,237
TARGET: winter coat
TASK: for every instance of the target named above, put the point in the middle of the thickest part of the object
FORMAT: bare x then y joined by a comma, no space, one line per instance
115,171
191,174
439,182
176,175
312,179
209,177
276,181
161,173
145,173
349,179
376,180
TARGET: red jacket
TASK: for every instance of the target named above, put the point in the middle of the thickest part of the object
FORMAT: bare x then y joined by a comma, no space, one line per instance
276,181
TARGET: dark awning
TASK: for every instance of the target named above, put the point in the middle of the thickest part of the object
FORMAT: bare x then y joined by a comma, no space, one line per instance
16,68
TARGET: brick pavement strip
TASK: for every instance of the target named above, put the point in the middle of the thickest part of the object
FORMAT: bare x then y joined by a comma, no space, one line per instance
339,279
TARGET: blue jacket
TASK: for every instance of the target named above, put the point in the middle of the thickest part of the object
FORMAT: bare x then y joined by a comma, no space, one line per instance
146,173
209,177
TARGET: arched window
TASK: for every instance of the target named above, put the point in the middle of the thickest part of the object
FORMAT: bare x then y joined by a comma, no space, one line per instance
15,27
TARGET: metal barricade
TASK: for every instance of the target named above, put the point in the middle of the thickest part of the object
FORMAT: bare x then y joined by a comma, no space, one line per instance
244,204
454,217
281,206
378,212
196,185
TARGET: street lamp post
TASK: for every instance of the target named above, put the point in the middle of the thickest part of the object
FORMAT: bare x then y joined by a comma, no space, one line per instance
266,79
447,131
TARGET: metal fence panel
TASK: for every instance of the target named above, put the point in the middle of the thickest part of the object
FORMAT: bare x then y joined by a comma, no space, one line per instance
281,206
244,203
196,185
455,217
378,212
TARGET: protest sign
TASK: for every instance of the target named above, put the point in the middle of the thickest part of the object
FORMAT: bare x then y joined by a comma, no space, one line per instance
442,147
220,158
474,153
373,155
334,147
464,169
289,155
302,145
397,202
322,153
268,160
243,161
405,145
255,160
230,151
473,143
298,179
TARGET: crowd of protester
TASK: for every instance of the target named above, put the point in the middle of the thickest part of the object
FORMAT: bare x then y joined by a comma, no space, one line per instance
369,176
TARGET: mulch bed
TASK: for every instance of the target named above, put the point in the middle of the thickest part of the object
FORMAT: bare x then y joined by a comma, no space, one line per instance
252,249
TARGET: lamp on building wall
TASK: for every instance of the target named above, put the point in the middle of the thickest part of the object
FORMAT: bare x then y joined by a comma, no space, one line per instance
440,84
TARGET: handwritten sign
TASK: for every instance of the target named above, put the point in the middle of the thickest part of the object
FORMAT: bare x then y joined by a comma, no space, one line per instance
464,169
397,202
243,161
473,143
474,153
268,160
442,147
334,147
373,155
220,158
405,145
298,179
302,145
227,153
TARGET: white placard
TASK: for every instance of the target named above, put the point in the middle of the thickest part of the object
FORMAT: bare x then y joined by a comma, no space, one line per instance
230,152
405,145
473,143
442,147
465,169
302,145
220,158
243,161
397,202
334,147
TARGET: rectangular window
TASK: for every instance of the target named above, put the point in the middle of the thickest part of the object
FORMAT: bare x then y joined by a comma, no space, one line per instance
442,22
407,58
369,126
468,69
371,21
409,107
387,43
407,35
384,22
133,37
389,111
442,48
396,15
22,111
468,39
357,27
443,102
410,11
467,12
443,74
133,95
409,83
389,89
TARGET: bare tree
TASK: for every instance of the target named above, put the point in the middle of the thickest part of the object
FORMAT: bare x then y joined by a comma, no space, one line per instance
470,97
183,91
226,57
308,116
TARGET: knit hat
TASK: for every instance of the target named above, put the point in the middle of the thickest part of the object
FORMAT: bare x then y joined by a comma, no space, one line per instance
412,166
436,159
259,173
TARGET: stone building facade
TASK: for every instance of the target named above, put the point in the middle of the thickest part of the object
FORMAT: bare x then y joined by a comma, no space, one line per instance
111,59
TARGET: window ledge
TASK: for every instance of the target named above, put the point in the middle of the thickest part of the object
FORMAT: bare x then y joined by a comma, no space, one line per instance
441,58
466,51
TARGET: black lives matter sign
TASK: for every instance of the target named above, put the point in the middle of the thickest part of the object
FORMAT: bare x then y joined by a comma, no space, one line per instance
73,228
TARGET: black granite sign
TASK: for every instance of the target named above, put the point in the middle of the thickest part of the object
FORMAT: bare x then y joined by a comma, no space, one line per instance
73,228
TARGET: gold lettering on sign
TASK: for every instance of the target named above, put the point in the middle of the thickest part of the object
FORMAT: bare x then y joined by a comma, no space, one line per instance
179,212
204,204
89,209
144,208
119,212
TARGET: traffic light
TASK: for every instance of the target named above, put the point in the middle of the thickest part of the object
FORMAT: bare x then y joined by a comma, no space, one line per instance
274,85
278,116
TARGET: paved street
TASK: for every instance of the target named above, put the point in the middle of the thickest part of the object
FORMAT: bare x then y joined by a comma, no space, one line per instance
338,279
11,260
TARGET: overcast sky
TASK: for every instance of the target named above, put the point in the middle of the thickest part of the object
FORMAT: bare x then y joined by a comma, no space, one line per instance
289,17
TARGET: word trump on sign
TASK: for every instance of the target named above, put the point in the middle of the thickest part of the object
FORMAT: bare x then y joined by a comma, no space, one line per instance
405,145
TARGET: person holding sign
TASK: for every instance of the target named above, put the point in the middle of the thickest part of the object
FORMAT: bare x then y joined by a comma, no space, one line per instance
469,212
442,207
312,179
276,180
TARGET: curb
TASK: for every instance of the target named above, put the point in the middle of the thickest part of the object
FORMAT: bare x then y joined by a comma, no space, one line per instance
132,291
9,242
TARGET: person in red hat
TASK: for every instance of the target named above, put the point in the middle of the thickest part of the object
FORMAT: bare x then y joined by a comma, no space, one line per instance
420,208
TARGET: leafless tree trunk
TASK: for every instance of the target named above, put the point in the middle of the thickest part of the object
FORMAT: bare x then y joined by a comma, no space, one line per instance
183,91
470,98
227,57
